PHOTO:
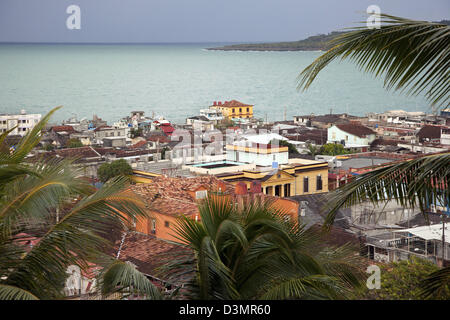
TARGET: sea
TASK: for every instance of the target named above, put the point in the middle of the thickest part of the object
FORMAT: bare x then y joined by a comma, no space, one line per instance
175,81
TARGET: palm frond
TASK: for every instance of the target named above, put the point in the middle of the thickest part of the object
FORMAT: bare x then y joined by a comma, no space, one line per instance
14,293
244,248
435,283
415,183
28,142
411,55
123,277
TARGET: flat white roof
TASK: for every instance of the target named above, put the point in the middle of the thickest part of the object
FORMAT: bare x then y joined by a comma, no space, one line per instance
263,138
432,232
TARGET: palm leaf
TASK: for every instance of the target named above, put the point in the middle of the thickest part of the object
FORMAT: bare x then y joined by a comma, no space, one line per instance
436,282
123,277
14,293
415,183
412,55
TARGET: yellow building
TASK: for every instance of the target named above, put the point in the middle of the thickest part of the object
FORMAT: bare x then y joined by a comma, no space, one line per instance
234,109
299,177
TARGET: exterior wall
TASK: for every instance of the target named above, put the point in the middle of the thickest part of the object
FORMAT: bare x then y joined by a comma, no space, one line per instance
312,182
261,157
301,120
76,283
144,225
116,142
256,158
337,135
421,148
120,132
24,123
212,114
235,112
445,137
387,214
295,180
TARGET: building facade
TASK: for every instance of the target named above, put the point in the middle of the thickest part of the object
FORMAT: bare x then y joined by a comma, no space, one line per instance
23,122
351,134
234,109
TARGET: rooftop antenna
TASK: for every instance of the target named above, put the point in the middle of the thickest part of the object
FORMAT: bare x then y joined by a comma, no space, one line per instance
284,113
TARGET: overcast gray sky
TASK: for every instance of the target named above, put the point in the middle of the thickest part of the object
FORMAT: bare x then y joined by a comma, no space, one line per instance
196,20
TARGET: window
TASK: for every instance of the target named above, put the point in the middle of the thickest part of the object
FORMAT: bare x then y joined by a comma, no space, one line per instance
153,226
166,224
248,109
232,110
240,110
305,184
287,190
200,194
319,182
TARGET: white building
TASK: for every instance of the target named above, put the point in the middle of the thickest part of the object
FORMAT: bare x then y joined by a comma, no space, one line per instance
212,114
80,282
445,136
351,135
258,150
23,122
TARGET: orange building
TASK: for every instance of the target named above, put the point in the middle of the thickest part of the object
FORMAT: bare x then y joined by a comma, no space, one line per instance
168,198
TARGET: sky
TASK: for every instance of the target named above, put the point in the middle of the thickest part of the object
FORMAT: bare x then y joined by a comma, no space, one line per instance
159,21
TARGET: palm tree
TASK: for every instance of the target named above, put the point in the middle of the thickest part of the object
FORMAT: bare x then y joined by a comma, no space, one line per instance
50,200
412,56
245,249
312,150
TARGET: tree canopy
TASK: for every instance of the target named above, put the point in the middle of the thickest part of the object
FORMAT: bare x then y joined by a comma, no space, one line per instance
116,168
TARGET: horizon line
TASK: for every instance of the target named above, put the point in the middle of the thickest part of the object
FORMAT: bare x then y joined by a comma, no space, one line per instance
182,42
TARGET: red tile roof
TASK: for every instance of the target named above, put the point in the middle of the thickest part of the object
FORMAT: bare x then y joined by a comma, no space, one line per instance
160,138
176,196
149,253
429,132
82,152
168,130
235,104
62,128
139,144
103,128
356,129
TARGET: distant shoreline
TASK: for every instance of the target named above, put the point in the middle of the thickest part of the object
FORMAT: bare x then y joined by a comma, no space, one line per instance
314,43
263,49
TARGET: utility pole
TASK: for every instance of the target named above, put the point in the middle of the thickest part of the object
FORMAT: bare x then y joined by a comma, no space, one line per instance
284,113
443,212
443,238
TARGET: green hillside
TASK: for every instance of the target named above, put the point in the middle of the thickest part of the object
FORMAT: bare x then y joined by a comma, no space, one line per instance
319,42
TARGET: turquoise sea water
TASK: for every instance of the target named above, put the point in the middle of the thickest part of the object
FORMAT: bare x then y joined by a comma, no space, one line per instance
176,80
